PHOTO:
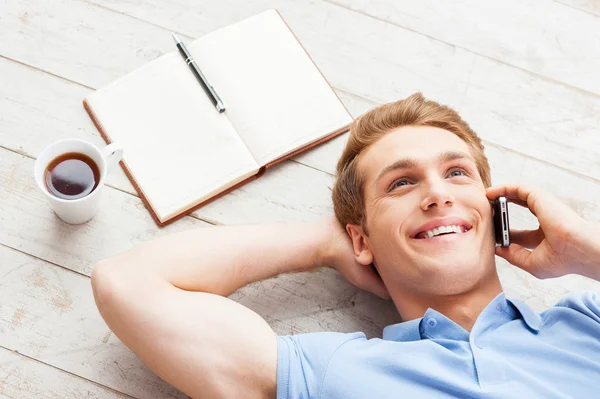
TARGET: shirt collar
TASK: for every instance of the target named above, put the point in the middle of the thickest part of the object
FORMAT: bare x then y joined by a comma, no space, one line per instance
531,318
405,332
436,325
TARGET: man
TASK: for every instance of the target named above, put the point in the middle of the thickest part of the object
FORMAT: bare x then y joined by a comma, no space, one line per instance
409,167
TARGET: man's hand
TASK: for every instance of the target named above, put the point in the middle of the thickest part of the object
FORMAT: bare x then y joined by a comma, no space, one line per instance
563,243
339,255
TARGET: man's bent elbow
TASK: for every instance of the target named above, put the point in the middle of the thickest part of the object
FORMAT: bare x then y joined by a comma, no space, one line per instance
107,285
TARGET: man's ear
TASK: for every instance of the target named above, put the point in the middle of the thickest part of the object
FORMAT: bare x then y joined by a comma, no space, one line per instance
360,244
493,209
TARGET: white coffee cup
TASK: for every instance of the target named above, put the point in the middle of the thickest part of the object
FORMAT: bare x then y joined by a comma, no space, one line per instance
77,211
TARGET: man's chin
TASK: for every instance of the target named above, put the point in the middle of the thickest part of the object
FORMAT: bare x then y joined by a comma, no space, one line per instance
455,279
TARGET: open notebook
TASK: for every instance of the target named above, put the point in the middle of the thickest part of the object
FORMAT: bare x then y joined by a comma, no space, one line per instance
180,152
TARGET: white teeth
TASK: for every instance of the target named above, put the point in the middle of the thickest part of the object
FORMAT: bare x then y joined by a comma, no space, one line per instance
445,229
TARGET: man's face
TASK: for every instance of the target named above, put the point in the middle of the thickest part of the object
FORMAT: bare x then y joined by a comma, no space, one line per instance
401,198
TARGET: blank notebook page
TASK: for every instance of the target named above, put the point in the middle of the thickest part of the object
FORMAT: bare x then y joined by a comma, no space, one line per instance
179,149
276,97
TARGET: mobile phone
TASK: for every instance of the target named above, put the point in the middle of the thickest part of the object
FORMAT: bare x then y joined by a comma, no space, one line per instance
501,226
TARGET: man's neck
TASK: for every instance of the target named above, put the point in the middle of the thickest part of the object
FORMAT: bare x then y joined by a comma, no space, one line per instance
462,308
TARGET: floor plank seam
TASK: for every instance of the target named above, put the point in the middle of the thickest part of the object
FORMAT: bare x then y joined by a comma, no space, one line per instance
107,185
42,302
103,7
384,21
46,72
312,167
546,78
68,372
91,88
44,260
576,8
375,102
371,100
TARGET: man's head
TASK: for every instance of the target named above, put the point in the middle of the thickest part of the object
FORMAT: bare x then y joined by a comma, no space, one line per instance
407,164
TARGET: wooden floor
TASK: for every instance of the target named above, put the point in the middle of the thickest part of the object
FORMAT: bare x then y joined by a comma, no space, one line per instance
523,74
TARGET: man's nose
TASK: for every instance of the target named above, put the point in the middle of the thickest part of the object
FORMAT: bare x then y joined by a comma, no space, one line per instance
437,195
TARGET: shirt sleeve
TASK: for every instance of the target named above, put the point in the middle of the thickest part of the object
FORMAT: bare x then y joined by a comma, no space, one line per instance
586,302
302,361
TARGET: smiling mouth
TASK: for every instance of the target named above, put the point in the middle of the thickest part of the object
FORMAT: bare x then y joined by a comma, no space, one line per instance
443,235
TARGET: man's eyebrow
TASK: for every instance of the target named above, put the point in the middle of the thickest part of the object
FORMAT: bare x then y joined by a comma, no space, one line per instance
412,163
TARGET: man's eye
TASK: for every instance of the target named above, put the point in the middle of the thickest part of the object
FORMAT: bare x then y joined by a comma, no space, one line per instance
464,172
397,183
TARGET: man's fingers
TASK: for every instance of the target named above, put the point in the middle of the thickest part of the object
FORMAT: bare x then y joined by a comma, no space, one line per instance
510,191
527,238
515,193
525,195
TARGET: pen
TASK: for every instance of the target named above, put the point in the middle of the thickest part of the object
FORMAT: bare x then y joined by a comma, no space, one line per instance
210,91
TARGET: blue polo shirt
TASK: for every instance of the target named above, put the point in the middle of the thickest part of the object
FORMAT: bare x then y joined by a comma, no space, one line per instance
511,352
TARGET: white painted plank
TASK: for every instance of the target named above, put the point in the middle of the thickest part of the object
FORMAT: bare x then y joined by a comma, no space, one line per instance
38,109
29,123
30,226
21,377
48,313
591,6
507,106
296,303
28,223
287,192
541,36
316,302
127,223
325,156
586,146
131,218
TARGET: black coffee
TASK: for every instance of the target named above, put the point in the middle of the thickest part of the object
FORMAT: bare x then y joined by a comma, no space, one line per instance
72,176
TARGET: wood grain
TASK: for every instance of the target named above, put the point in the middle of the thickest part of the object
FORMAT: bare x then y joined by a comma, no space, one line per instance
106,235
590,6
508,106
541,36
522,74
29,225
49,314
35,230
288,192
22,377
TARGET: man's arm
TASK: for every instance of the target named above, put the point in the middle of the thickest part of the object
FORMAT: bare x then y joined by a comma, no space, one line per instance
164,300
590,247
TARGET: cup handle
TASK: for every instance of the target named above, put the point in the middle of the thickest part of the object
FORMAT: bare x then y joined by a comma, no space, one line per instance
113,154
